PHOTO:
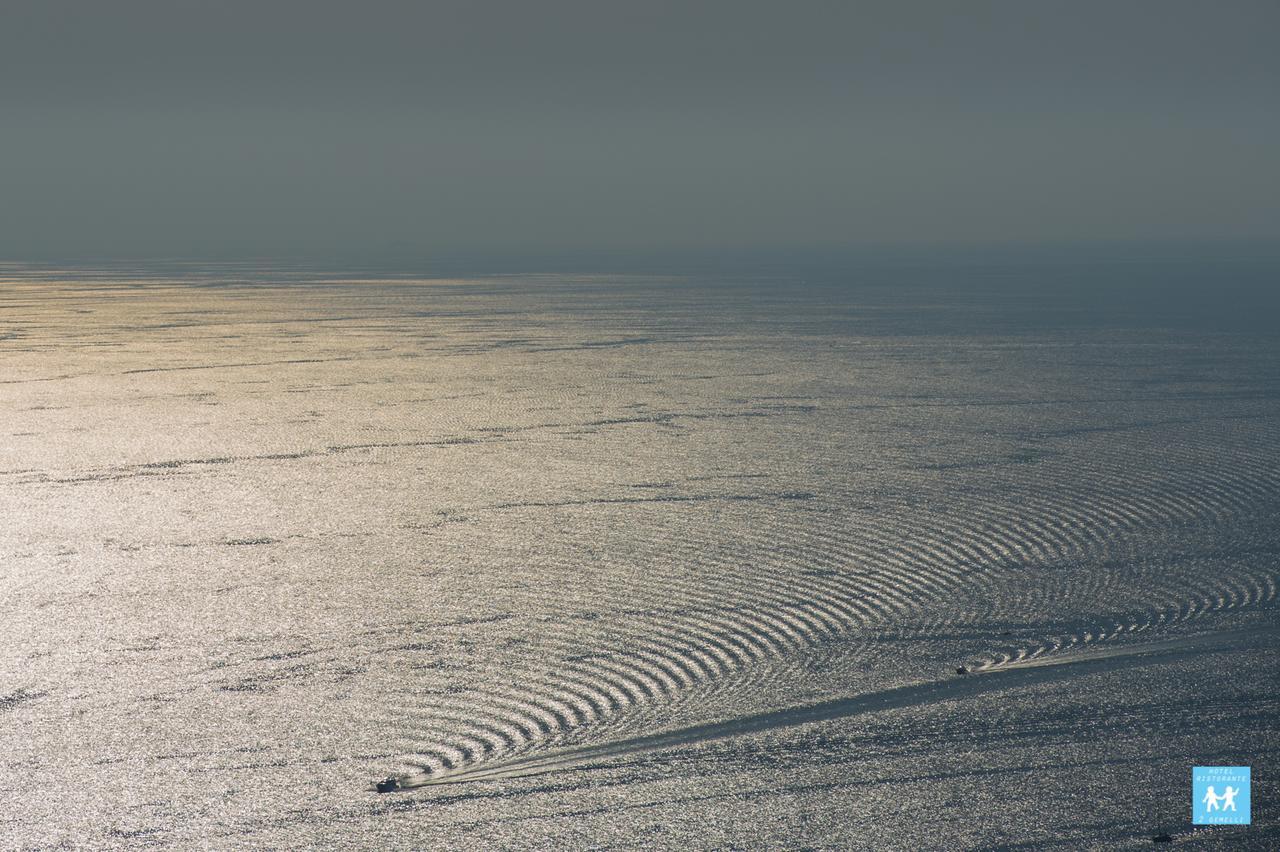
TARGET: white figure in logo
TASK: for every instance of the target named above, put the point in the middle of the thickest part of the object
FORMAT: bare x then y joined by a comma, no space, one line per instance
1211,799
1229,799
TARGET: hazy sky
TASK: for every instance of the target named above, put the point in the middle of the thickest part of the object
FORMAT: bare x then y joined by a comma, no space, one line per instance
311,127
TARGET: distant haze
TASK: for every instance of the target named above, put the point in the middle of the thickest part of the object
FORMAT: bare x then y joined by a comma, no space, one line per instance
439,129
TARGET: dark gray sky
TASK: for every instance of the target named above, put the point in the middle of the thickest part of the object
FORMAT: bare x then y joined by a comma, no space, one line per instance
311,127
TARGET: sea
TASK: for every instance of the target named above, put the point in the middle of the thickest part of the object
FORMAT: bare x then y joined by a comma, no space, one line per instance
894,556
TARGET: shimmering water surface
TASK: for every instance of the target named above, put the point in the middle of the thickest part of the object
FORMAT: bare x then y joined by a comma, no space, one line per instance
623,561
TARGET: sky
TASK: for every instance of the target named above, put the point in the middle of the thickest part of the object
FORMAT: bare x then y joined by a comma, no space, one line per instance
312,128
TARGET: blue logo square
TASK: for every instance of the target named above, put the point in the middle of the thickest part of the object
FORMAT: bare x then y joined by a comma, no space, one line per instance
1220,795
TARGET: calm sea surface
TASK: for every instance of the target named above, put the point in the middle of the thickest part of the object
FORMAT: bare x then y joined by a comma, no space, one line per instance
634,561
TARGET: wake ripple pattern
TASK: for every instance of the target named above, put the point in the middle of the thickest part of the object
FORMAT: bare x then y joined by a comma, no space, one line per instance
859,573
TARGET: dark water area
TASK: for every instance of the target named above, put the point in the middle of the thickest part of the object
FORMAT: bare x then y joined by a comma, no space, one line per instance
908,555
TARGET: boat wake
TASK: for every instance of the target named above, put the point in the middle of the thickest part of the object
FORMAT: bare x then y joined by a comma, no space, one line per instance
1010,676
865,574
